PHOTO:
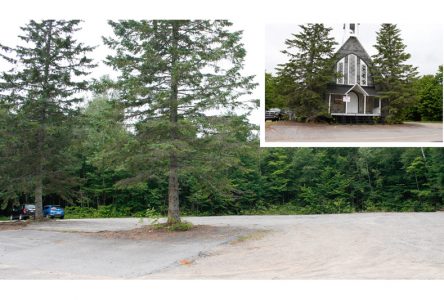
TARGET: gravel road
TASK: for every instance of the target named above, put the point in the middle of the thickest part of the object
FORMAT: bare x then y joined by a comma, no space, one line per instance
347,246
301,132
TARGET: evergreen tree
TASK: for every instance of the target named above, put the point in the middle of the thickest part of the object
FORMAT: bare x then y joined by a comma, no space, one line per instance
172,72
391,73
305,76
41,91
273,93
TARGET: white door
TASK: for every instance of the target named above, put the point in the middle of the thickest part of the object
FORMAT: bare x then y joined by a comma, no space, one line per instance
352,106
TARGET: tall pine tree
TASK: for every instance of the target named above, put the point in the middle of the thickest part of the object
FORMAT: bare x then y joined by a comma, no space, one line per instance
41,91
392,75
309,69
172,73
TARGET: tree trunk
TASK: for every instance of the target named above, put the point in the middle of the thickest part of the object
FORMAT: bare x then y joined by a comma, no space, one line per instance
38,198
173,192
41,136
173,183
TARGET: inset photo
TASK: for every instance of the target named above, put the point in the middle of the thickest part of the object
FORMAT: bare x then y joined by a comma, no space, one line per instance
353,83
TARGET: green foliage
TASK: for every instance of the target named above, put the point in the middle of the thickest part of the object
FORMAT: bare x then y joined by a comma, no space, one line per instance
171,72
148,213
429,92
303,79
39,93
296,181
97,164
178,226
274,97
392,75
77,212
108,211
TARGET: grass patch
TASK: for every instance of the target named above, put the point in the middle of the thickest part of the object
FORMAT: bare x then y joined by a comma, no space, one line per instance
253,236
180,226
4,218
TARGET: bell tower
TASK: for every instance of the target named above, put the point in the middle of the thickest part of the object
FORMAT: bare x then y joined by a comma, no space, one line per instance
351,29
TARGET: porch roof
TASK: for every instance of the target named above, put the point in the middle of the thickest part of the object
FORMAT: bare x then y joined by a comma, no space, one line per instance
344,89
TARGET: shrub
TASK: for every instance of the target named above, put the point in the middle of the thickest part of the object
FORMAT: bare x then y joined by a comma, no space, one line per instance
77,212
148,213
180,226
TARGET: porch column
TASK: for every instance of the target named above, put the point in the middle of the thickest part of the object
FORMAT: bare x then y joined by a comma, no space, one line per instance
365,104
380,113
346,107
329,103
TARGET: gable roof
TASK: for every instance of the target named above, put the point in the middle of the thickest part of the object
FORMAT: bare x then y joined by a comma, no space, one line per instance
359,88
353,46
344,89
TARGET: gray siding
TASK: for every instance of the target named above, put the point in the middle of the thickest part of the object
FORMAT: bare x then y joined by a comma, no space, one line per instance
353,46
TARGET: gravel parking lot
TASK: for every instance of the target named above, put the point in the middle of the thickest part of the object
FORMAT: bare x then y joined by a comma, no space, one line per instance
302,132
347,246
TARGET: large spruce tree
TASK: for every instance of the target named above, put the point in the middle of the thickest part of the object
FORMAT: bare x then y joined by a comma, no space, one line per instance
391,73
305,76
172,73
40,92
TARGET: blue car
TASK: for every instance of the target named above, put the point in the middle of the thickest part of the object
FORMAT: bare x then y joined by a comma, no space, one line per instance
53,211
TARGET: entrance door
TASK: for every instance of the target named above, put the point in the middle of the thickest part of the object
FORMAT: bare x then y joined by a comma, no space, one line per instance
352,106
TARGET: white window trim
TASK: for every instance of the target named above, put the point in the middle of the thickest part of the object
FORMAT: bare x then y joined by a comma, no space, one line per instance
362,63
341,80
356,69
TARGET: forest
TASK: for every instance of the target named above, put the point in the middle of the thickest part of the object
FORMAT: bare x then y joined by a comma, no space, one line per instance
144,146
242,178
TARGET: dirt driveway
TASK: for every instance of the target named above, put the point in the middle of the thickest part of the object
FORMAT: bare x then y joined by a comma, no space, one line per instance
347,246
301,132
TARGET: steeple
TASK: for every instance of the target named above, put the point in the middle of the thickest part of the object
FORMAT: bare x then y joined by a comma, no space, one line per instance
351,29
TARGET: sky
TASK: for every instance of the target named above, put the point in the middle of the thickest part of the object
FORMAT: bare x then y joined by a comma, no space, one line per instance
424,42
263,42
94,28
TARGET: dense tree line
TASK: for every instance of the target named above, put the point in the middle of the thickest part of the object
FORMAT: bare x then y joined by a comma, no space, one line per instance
172,75
147,144
250,179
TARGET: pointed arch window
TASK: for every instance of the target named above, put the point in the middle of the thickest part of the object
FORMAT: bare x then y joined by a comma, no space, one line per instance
352,69
364,73
340,70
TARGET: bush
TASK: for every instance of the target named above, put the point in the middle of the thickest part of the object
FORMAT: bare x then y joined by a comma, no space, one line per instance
108,211
77,212
180,226
148,213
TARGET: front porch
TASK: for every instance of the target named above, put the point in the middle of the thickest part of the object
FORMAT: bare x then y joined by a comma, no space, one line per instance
355,103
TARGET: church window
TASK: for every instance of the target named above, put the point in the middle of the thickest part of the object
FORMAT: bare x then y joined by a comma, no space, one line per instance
363,73
352,72
340,70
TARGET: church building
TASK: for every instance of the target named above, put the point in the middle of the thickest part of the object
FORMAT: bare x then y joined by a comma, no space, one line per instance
353,97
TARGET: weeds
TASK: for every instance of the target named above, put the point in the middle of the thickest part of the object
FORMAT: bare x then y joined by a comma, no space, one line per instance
180,226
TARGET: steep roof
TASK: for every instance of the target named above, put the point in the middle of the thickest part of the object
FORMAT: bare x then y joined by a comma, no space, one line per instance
344,89
353,46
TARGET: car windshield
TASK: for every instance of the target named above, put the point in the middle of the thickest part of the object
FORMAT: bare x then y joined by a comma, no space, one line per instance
30,206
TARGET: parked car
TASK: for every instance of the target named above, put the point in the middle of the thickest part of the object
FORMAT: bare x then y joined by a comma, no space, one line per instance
23,212
273,114
53,211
